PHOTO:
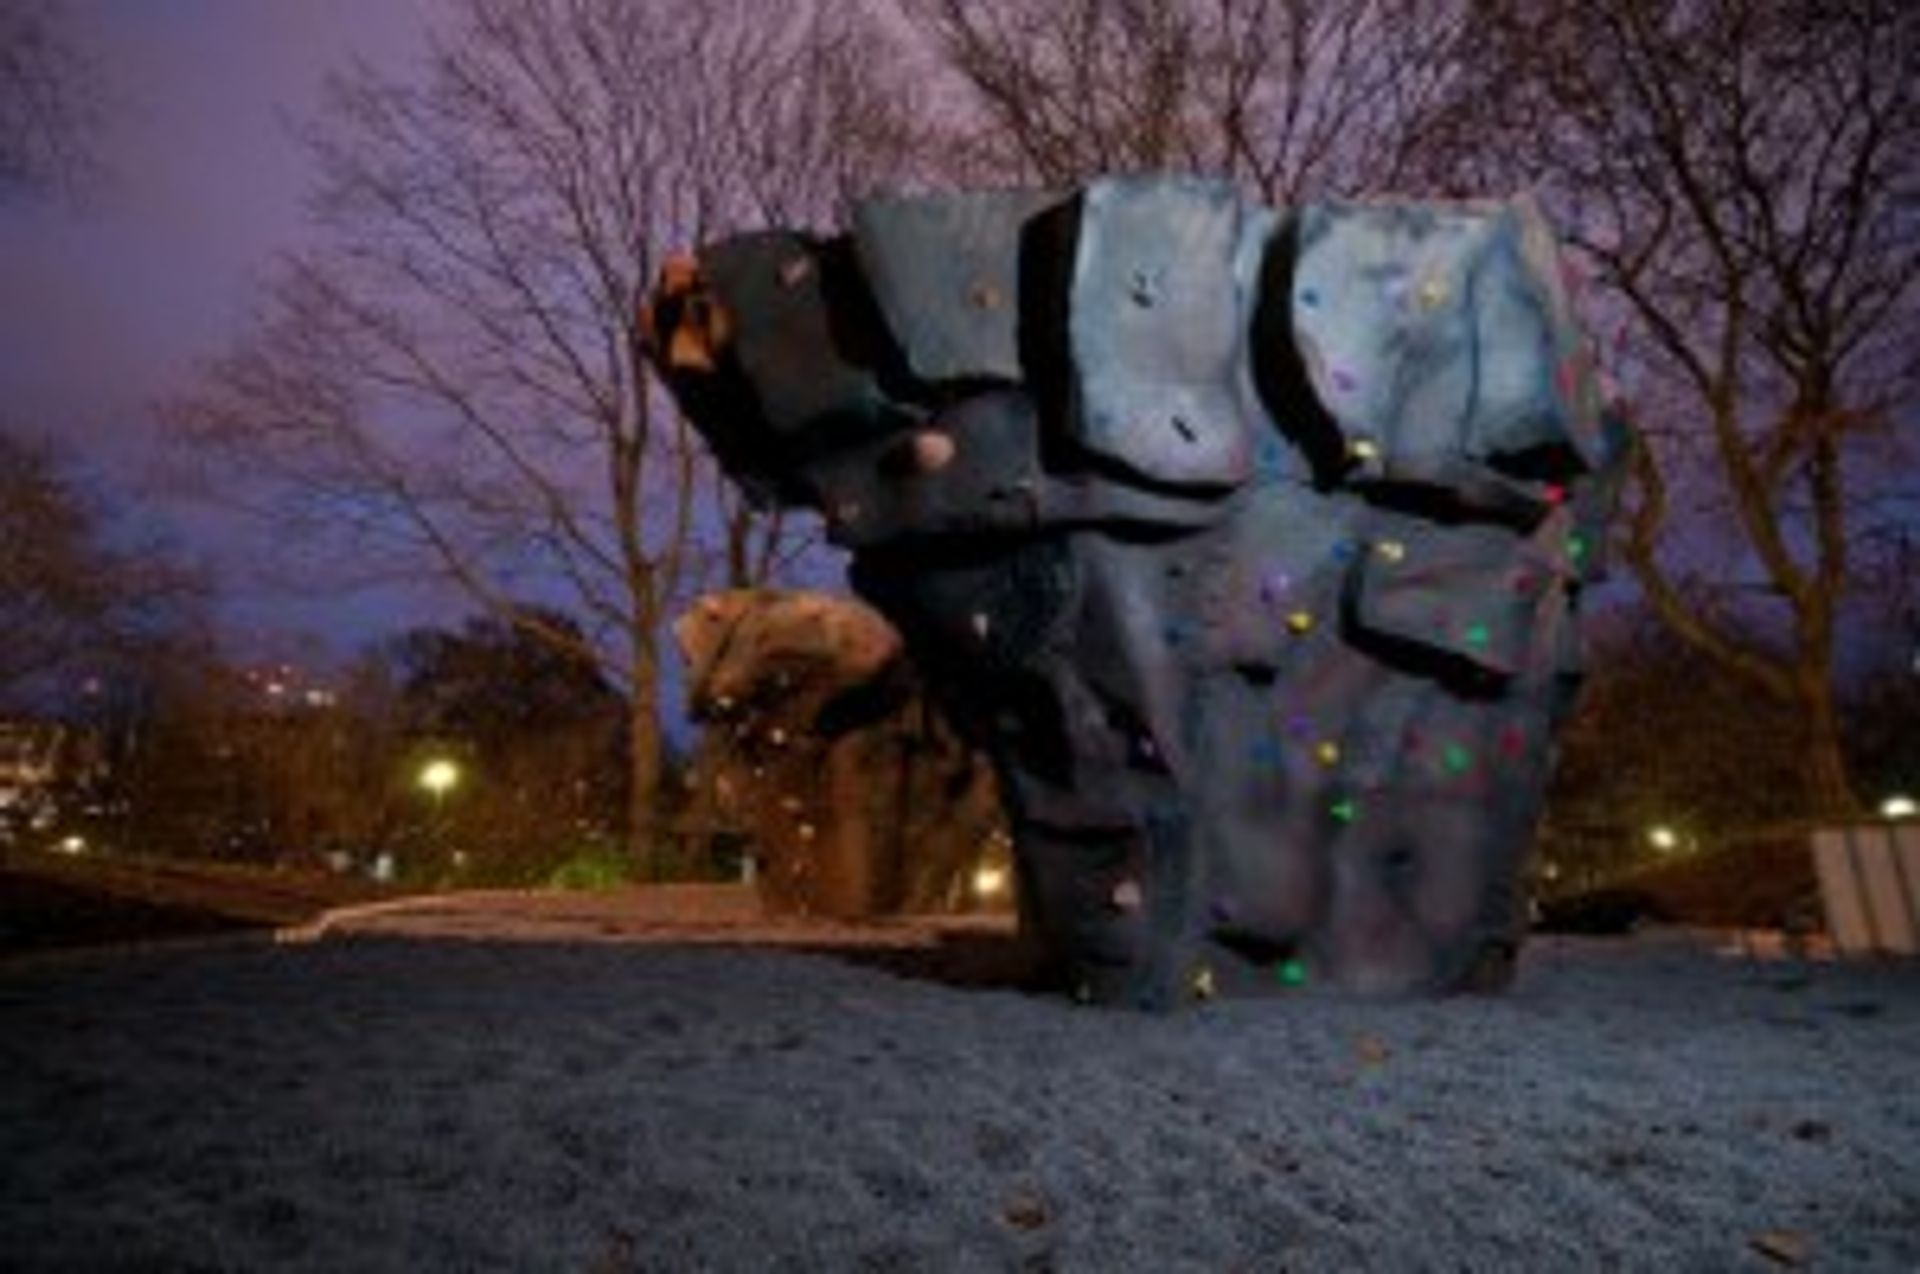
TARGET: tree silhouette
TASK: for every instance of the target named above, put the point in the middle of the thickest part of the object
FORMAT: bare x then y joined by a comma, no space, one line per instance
48,102
460,368
1744,177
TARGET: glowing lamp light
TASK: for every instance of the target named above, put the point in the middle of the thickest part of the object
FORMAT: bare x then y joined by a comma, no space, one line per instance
73,844
1663,838
988,882
439,776
1899,805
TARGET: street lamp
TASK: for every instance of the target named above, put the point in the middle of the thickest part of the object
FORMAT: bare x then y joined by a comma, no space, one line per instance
988,881
439,776
1899,806
1663,838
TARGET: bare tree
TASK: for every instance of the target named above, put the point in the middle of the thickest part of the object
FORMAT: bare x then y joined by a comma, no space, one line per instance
1290,97
48,107
75,591
1745,177
460,366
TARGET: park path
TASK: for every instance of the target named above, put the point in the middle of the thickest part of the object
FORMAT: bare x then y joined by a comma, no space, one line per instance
681,913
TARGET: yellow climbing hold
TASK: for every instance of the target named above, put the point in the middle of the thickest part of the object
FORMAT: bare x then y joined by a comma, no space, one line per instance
1300,623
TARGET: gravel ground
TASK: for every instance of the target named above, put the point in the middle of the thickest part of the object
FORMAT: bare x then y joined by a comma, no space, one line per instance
370,1102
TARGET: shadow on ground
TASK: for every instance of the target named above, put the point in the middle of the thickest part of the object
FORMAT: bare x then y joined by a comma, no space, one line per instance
967,960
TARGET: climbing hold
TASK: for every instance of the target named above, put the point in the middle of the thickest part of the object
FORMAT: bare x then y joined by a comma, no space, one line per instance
1363,448
1477,635
981,624
1299,623
1456,758
1126,895
932,450
1433,292
1327,752
795,270
1203,985
1292,973
984,296
1391,550
1344,810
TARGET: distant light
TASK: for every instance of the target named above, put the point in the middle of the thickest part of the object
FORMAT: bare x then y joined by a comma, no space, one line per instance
1899,805
1663,838
73,844
439,776
276,688
989,881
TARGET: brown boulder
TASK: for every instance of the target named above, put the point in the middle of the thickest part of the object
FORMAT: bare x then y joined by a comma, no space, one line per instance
855,797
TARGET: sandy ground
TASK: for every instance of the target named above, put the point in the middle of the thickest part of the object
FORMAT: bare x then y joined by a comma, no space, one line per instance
579,1088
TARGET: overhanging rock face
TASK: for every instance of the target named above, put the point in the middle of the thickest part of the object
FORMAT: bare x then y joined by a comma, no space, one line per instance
1249,541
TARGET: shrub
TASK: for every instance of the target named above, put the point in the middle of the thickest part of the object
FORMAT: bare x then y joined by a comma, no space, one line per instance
592,869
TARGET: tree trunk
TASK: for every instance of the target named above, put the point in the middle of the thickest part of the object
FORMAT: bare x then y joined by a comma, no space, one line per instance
1829,791
739,535
646,762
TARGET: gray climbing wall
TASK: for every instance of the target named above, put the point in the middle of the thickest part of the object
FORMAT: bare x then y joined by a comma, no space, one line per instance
1248,541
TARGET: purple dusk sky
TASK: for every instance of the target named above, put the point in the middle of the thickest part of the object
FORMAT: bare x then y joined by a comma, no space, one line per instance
108,302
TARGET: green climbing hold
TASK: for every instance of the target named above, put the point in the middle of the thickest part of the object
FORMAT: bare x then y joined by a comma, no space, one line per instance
1344,809
1478,636
1292,973
1456,758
